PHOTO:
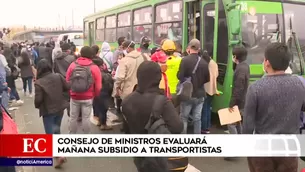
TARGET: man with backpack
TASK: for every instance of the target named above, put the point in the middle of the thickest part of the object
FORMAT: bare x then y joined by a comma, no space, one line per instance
102,102
84,78
62,61
142,108
193,74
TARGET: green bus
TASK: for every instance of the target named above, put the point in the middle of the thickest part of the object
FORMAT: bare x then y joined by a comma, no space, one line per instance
218,24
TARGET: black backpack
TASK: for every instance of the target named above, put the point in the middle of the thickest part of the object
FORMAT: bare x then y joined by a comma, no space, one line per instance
81,78
156,125
107,81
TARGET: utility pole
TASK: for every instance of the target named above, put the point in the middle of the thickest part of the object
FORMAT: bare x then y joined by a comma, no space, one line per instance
58,20
65,22
72,18
94,6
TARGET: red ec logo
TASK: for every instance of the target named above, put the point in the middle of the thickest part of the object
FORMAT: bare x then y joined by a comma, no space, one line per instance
30,145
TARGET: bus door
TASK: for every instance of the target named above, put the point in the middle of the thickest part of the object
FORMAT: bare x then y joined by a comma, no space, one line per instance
91,33
193,19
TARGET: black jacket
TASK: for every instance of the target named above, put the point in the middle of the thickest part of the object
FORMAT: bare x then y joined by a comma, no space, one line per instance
201,76
137,106
240,85
49,91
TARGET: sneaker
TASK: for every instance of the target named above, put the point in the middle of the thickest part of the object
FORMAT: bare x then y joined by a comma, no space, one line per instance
96,118
19,102
105,127
118,120
31,95
205,132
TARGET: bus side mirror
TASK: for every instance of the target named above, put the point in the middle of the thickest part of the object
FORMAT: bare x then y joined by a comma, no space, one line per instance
234,18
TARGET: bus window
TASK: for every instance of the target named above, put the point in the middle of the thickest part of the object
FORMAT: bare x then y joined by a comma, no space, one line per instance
124,25
209,20
110,35
222,44
86,28
259,30
295,34
99,32
142,22
193,20
168,22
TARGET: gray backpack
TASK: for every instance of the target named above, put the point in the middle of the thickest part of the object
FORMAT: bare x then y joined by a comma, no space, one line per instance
81,78
185,89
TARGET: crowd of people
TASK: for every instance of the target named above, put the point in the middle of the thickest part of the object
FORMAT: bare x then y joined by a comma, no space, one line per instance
131,80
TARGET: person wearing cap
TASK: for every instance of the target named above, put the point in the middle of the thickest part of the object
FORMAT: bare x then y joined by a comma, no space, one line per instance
200,76
173,63
144,46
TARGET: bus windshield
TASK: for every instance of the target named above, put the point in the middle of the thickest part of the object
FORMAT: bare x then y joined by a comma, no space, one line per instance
259,30
78,40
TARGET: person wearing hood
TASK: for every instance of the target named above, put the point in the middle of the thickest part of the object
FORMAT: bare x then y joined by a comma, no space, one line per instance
62,61
138,106
57,50
107,56
45,52
126,79
144,46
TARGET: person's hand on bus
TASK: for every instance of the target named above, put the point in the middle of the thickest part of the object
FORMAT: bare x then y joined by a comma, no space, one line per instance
217,93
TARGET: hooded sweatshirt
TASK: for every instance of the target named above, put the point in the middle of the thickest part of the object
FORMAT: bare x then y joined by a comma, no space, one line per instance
127,73
107,55
56,51
95,88
137,107
62,62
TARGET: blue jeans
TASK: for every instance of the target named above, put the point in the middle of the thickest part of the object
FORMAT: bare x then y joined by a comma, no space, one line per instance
206,113
52,123
27,81
14,94
195,106
5,99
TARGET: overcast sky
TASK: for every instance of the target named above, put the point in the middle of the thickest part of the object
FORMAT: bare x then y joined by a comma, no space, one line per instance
50,13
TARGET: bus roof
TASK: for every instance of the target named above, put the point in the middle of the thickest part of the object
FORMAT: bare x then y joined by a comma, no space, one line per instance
121,8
